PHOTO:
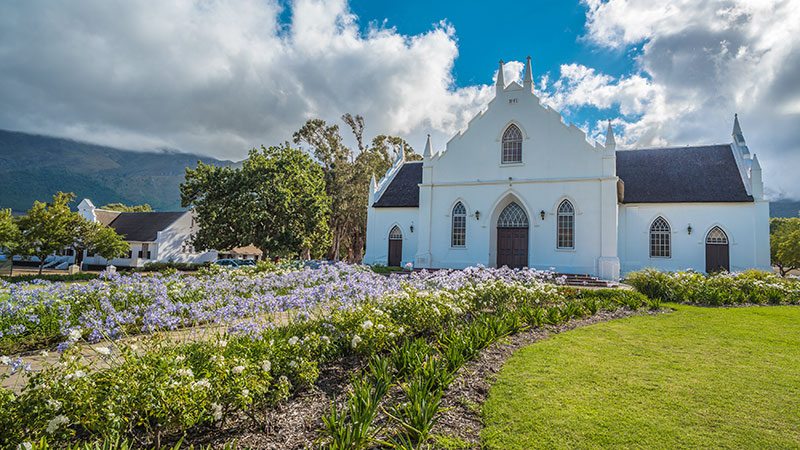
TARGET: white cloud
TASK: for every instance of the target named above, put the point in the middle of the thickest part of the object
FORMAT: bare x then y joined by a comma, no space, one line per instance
218,76
701,61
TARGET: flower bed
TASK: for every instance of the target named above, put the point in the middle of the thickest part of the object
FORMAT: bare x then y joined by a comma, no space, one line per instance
155,387
751,287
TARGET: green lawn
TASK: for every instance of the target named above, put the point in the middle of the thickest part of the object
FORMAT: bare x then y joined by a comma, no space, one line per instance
695,378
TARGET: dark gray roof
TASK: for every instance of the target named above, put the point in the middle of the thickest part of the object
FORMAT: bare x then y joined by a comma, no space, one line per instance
403,191
143,226
681,174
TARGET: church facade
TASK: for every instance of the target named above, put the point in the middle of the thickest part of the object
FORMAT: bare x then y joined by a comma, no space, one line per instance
520,188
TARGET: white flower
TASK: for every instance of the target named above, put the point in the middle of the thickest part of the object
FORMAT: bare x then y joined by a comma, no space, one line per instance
356,340
134,347
201,384
378,312
266,365
379,326
74,334
216,410
26,446
185,372
77,374
401,330
44,354
391,335
223,343
326,340
56,422
293,340
105,351
5,360
218,358
55,404
245,392
292,363
180,358
238,369
367,324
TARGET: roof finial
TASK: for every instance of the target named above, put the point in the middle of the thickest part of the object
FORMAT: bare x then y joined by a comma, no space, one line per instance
611,143
501,81
736,128
428,153
528,81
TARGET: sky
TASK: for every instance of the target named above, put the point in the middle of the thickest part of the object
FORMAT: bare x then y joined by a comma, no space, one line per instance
218,77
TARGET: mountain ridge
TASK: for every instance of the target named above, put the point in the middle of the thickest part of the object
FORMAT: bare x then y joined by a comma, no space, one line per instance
34,167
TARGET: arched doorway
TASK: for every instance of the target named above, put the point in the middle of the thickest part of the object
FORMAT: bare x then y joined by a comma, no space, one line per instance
717,251
512,237
395,247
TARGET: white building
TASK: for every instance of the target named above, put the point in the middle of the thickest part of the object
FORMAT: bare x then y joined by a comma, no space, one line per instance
153,236
518,187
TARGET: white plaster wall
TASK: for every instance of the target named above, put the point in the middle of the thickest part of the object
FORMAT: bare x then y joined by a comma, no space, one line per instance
746,224
379,222
170,241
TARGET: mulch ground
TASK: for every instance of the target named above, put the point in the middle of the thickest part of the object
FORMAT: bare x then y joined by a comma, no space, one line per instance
295,424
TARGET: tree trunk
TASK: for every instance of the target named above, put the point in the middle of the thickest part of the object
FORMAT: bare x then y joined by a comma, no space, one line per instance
41,266
305,254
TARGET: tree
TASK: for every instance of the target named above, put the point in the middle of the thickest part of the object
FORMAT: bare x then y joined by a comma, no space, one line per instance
95,238
784,244
9,232
276,202
125,208
347,174
49,227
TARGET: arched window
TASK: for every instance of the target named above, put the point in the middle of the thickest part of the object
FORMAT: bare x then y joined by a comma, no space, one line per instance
459,234
566,225
716,236
660,239
512,145
395,234
512,217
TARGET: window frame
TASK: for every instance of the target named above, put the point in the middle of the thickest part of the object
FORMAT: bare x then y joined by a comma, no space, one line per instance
514,144
462,217
665,232
565,214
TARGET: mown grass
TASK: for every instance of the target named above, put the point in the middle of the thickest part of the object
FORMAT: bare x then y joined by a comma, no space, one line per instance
695,378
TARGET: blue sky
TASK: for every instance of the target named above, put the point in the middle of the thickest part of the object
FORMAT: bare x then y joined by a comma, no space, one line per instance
219,77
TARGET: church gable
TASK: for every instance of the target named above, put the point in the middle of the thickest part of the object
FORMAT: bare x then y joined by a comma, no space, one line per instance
403,188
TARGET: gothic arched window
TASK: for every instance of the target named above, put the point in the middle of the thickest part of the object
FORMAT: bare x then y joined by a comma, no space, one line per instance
512,145
566,225
459,229
660,239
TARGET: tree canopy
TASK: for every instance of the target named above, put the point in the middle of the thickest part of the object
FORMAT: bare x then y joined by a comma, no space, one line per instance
275,201
784,244
125,208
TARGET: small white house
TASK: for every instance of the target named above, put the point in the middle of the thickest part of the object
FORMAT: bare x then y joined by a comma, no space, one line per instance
153,236
520,188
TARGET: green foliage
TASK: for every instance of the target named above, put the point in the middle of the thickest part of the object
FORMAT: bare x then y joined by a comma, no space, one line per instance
752,287
9,231
82,276
125,208
420,412
163,266
785,244
49,227
121,444
276,201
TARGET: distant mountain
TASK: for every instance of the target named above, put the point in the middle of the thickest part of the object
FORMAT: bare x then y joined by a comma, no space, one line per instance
784,208
34,167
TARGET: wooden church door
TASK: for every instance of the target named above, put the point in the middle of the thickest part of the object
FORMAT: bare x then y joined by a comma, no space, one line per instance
395,247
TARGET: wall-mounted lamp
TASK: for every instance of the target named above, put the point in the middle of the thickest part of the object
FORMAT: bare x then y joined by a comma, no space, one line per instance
542,213
477,215
411,227
689,229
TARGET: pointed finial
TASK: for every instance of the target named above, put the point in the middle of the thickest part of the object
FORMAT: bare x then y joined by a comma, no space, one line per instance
501,81
737,130
372,183
755,164
610,141
428,153
528,81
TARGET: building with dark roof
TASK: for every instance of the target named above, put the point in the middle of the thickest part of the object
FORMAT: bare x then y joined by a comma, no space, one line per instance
521,188
153,236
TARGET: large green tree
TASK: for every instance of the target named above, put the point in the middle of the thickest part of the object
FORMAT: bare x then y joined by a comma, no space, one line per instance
125,208
49,227
9,232
785,244
275,201
347,174
94,238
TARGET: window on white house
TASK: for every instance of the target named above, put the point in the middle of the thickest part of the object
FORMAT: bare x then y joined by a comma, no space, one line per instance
459,234
395,234
512,217
512,145
660,236
716,236
566,225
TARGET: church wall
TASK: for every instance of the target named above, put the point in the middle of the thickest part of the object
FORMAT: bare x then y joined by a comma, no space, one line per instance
379,222
490,199
746,225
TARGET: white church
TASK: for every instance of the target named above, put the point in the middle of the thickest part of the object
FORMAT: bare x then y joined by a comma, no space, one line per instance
520,188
